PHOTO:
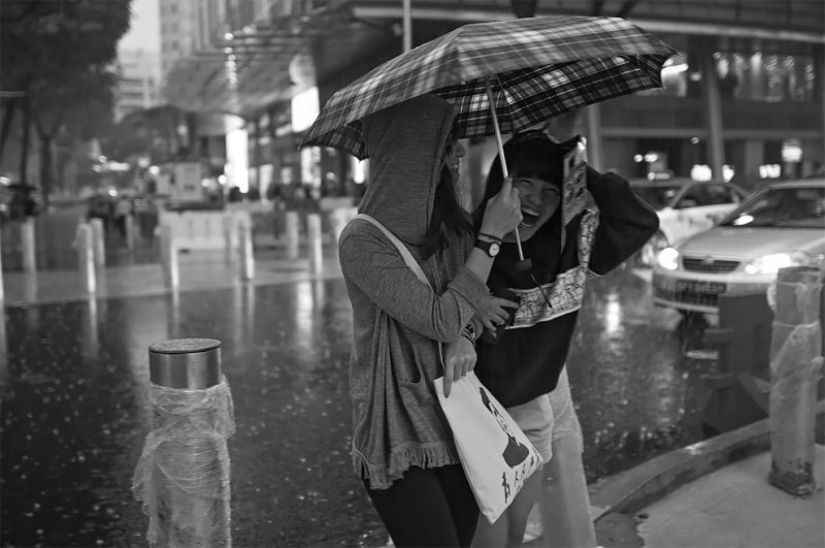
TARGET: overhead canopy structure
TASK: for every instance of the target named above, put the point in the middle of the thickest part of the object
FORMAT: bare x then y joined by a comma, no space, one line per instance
271,61
251,67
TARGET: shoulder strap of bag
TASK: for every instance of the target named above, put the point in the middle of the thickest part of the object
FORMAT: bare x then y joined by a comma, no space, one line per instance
408,258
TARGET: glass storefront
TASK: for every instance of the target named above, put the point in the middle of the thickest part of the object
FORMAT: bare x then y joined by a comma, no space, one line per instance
770,72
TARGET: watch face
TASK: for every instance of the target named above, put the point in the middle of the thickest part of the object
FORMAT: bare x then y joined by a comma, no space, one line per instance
494,249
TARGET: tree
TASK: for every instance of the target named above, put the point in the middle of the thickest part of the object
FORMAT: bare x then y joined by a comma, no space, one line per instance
58,53
151,133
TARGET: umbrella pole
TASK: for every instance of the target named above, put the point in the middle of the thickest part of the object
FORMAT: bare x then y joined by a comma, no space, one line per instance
523,265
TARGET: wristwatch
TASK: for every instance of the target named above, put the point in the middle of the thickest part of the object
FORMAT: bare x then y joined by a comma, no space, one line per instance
491,248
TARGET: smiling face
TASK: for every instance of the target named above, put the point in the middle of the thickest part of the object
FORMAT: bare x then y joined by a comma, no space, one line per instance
539,201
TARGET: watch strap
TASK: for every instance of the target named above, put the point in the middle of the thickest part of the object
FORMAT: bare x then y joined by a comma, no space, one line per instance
485,246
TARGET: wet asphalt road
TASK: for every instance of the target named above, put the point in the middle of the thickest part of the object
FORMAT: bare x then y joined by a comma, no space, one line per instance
74,414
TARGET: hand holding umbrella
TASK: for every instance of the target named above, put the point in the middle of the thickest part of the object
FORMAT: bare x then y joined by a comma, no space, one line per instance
503,211
542,67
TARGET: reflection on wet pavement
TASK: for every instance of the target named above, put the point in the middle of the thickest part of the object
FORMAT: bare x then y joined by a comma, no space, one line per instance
74,417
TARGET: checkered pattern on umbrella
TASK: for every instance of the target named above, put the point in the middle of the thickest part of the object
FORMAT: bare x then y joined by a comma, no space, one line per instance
542,67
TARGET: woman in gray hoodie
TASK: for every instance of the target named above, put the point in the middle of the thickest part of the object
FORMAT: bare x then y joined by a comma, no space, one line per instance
402,445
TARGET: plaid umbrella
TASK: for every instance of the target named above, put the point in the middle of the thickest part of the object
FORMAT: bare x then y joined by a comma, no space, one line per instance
532,68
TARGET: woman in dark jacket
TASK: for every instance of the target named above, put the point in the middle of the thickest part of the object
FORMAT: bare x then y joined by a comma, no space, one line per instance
577,224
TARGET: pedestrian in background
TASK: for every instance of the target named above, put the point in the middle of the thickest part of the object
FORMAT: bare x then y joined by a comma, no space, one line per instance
122,211
402,446
573,229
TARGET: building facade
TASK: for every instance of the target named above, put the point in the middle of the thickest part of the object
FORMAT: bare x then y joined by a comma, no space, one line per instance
139,83
744,100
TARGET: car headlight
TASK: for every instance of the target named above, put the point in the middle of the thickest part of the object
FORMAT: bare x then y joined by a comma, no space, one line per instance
669,258
770,264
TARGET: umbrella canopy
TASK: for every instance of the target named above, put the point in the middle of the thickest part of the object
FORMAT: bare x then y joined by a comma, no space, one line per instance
538,67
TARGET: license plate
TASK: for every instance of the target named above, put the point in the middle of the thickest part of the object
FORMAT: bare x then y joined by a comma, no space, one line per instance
700,288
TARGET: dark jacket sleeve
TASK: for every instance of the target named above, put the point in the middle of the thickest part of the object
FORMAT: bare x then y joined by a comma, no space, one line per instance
625,221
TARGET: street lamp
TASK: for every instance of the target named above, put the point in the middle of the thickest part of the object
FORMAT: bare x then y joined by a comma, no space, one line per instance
524,8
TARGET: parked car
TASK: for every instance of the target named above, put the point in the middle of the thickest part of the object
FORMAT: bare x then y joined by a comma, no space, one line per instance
779,225
685,208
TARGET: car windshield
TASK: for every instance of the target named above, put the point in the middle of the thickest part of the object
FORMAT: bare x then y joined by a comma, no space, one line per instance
658,197
796,207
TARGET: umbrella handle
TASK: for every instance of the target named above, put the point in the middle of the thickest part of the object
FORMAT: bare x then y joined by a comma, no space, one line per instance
501,154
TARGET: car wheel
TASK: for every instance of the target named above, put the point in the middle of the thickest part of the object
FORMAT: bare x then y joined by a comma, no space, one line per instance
650,251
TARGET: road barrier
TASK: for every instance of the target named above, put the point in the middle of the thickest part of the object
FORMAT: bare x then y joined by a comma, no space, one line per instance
86,257
2,291
129,231
796,368
169,258
740,385
99,239
182,478
292,234
315,243
229,238
27,242
247,257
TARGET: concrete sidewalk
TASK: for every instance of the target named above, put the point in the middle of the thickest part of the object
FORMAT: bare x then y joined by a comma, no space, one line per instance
713,494
736,506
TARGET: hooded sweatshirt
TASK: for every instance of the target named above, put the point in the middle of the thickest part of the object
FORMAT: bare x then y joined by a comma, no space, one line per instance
399,321
605,230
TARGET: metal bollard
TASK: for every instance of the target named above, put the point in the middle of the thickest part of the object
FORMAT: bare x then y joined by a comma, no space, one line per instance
129,231
292,234
796,367
2,291
229,238
169,258
99,238
245,248
86,257
315,243
28,245
183,477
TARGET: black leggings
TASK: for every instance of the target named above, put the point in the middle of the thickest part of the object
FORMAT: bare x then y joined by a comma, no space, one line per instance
428,507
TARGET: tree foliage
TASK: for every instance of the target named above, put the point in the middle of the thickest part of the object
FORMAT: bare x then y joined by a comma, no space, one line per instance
58,55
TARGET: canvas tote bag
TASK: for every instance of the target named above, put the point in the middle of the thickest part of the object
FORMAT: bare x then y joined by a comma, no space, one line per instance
496,455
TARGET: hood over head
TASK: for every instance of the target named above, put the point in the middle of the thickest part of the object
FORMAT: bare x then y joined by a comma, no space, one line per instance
405,144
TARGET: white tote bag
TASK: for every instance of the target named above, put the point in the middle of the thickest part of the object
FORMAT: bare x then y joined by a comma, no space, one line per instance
496,455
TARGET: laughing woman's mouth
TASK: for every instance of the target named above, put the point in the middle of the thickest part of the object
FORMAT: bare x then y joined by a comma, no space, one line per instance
528,218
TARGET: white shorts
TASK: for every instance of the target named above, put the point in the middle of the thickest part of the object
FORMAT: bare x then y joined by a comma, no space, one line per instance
548,418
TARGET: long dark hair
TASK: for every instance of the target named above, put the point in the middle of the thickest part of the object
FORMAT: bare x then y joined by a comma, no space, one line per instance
448,216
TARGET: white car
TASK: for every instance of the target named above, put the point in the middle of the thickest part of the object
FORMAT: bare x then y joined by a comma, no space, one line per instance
685,208
779,225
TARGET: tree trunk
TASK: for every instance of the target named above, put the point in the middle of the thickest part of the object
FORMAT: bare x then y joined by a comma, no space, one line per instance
24,145
46,166
8,118
47,134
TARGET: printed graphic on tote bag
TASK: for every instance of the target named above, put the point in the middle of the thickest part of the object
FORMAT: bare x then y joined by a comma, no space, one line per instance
515,453
496,455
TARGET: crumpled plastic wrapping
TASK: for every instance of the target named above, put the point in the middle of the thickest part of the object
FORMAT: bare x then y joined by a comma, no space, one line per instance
182,477
796,366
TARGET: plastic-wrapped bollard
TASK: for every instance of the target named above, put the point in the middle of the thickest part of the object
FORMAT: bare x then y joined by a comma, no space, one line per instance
182,477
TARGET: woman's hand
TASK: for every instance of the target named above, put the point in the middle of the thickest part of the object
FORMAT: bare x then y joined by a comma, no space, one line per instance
492,311
502,214
459,359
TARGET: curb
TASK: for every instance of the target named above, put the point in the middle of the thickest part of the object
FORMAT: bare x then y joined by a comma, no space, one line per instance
630,491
